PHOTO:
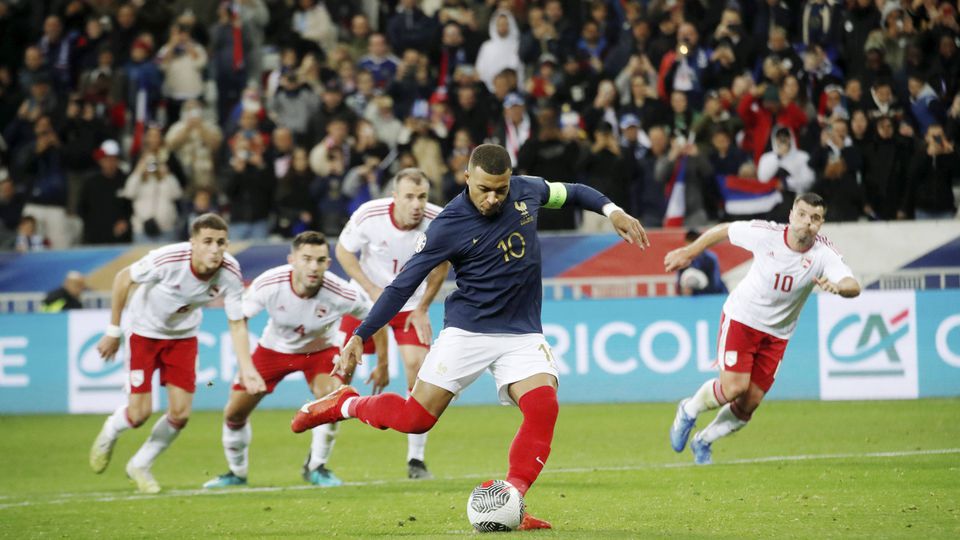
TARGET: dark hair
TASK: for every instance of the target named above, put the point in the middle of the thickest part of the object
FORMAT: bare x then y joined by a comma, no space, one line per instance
312,238
413,174
492,158
812,199
208,221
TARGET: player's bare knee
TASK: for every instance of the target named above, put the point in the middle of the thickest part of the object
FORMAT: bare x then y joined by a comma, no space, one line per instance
734,388
138,414
178,415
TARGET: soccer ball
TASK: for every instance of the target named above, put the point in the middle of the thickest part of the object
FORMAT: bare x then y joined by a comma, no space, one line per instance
495,505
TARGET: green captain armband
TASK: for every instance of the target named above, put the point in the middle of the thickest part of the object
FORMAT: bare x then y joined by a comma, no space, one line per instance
558,195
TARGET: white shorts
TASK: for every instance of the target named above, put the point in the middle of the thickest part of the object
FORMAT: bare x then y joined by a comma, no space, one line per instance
458,357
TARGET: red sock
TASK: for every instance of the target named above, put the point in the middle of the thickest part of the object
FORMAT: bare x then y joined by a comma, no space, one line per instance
392,411
531,446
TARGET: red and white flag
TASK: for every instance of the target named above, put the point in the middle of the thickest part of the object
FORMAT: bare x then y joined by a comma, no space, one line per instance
676,195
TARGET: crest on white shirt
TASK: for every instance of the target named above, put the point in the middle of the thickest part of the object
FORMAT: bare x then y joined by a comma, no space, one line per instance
320,311
421,242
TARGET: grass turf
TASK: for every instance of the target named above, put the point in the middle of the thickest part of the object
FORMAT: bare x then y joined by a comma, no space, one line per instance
801,469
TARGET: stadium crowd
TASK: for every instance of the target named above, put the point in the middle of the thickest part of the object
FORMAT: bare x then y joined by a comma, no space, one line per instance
121,121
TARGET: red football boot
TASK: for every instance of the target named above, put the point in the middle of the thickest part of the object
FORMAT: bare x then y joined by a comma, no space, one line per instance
531,523
322,411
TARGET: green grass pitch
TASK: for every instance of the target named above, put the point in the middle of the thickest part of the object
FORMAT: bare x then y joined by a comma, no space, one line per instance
800,469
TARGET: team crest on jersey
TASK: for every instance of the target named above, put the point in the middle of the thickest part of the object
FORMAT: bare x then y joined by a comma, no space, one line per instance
214,290
807,262
730,358
421,242
525,216
136,377
320,311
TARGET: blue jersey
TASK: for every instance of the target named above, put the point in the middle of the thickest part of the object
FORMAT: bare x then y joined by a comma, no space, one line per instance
496,260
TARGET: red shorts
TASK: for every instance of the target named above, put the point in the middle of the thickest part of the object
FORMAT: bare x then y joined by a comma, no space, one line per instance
273,366
176,358
742,349
348,324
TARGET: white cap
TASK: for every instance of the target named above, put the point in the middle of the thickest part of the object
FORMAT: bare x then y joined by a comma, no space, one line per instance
110,147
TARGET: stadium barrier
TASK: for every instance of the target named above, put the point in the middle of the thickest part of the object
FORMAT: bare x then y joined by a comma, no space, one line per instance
882,345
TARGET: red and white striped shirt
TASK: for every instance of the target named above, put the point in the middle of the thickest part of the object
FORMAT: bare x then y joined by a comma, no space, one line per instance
384,247
775,288
167,303
297,324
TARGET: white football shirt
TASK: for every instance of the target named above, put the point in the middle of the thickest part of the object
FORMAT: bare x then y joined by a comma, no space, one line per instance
302,325
167,303
775,288
384,247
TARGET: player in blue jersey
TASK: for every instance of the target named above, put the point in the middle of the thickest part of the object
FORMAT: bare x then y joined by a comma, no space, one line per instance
492,320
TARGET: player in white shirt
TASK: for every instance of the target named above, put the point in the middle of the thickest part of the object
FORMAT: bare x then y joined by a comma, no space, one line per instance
305,303
385,232
169,286
759,316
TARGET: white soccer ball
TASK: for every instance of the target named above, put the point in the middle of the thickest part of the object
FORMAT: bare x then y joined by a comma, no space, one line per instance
694,278
495,505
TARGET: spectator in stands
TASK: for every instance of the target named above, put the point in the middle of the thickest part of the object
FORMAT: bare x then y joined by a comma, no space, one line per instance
57,50
385,124
411,28
105,214
312,22
760,117
929,190
29,237
83,132
606,170
634,146
294,105
882,101
682,117
886,165
703,274
925,106
379,61
102,84
501,51
454,180
838,166
195,141
124,31
603,108
154,193
87,46
363,95
183,62
336,143
453,53
547,155
33,67
358,36
38,166
539,38
787,163
515,127
684,69
67,296
327,193
426,147
39,102
331,107
946,65
202,202
249,184
155,146
858,21
230,44
293,202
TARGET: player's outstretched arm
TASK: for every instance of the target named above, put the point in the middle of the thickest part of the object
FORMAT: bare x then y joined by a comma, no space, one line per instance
559,194
419,317
847,287
351,265
249,377
110,342
681,258
380,375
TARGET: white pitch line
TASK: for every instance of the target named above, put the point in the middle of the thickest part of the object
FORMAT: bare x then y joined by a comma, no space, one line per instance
66,498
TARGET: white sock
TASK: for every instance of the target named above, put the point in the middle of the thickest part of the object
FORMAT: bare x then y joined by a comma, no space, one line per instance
162,434
117,422
705,399
416,445
322,444
724,424
345,408
236,447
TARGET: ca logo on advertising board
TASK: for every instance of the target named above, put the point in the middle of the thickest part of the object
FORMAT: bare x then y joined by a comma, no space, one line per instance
868,346
95,386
